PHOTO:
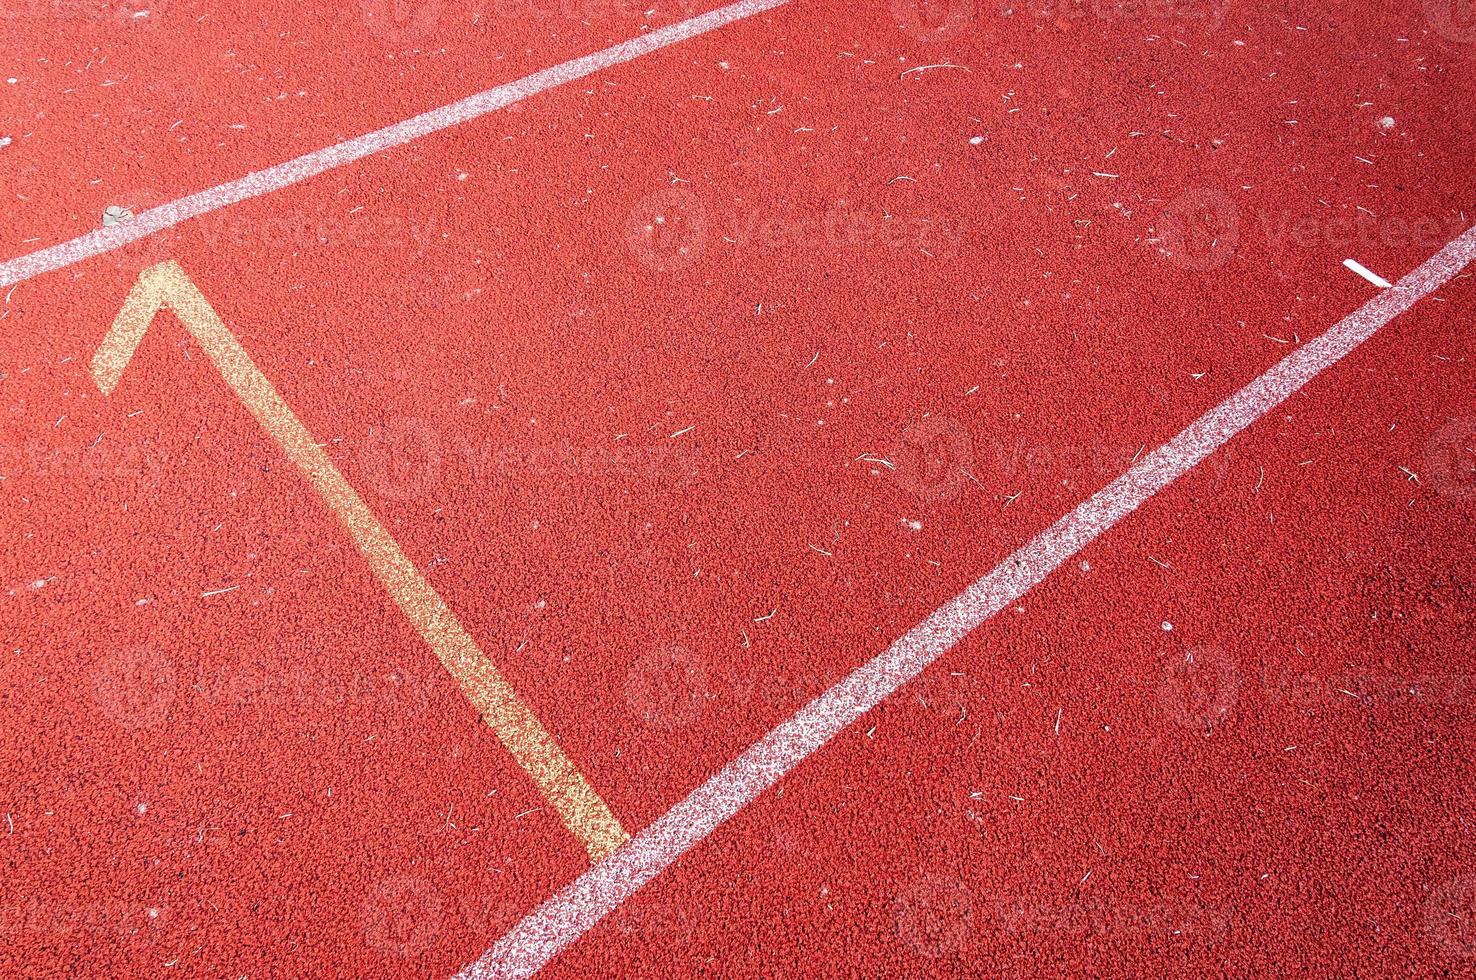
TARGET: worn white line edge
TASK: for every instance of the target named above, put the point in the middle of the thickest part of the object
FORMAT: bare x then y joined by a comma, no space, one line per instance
311,164
571,912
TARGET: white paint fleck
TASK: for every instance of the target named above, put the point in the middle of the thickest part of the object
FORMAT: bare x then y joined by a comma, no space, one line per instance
115,214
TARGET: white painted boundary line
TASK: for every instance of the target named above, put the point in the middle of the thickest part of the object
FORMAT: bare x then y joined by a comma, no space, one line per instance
569,914
311,164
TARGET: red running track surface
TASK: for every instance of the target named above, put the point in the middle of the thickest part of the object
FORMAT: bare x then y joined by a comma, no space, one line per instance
669,481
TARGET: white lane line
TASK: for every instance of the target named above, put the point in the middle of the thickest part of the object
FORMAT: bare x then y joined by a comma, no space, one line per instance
576,908
1366,273
311,164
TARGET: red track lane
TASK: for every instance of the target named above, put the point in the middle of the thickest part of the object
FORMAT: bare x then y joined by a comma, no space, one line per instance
646,480
1277,780
116,109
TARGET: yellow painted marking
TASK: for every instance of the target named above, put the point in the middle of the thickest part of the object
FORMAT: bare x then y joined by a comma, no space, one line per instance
166,286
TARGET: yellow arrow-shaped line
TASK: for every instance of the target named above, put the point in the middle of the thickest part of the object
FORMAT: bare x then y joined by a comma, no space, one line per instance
166,286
